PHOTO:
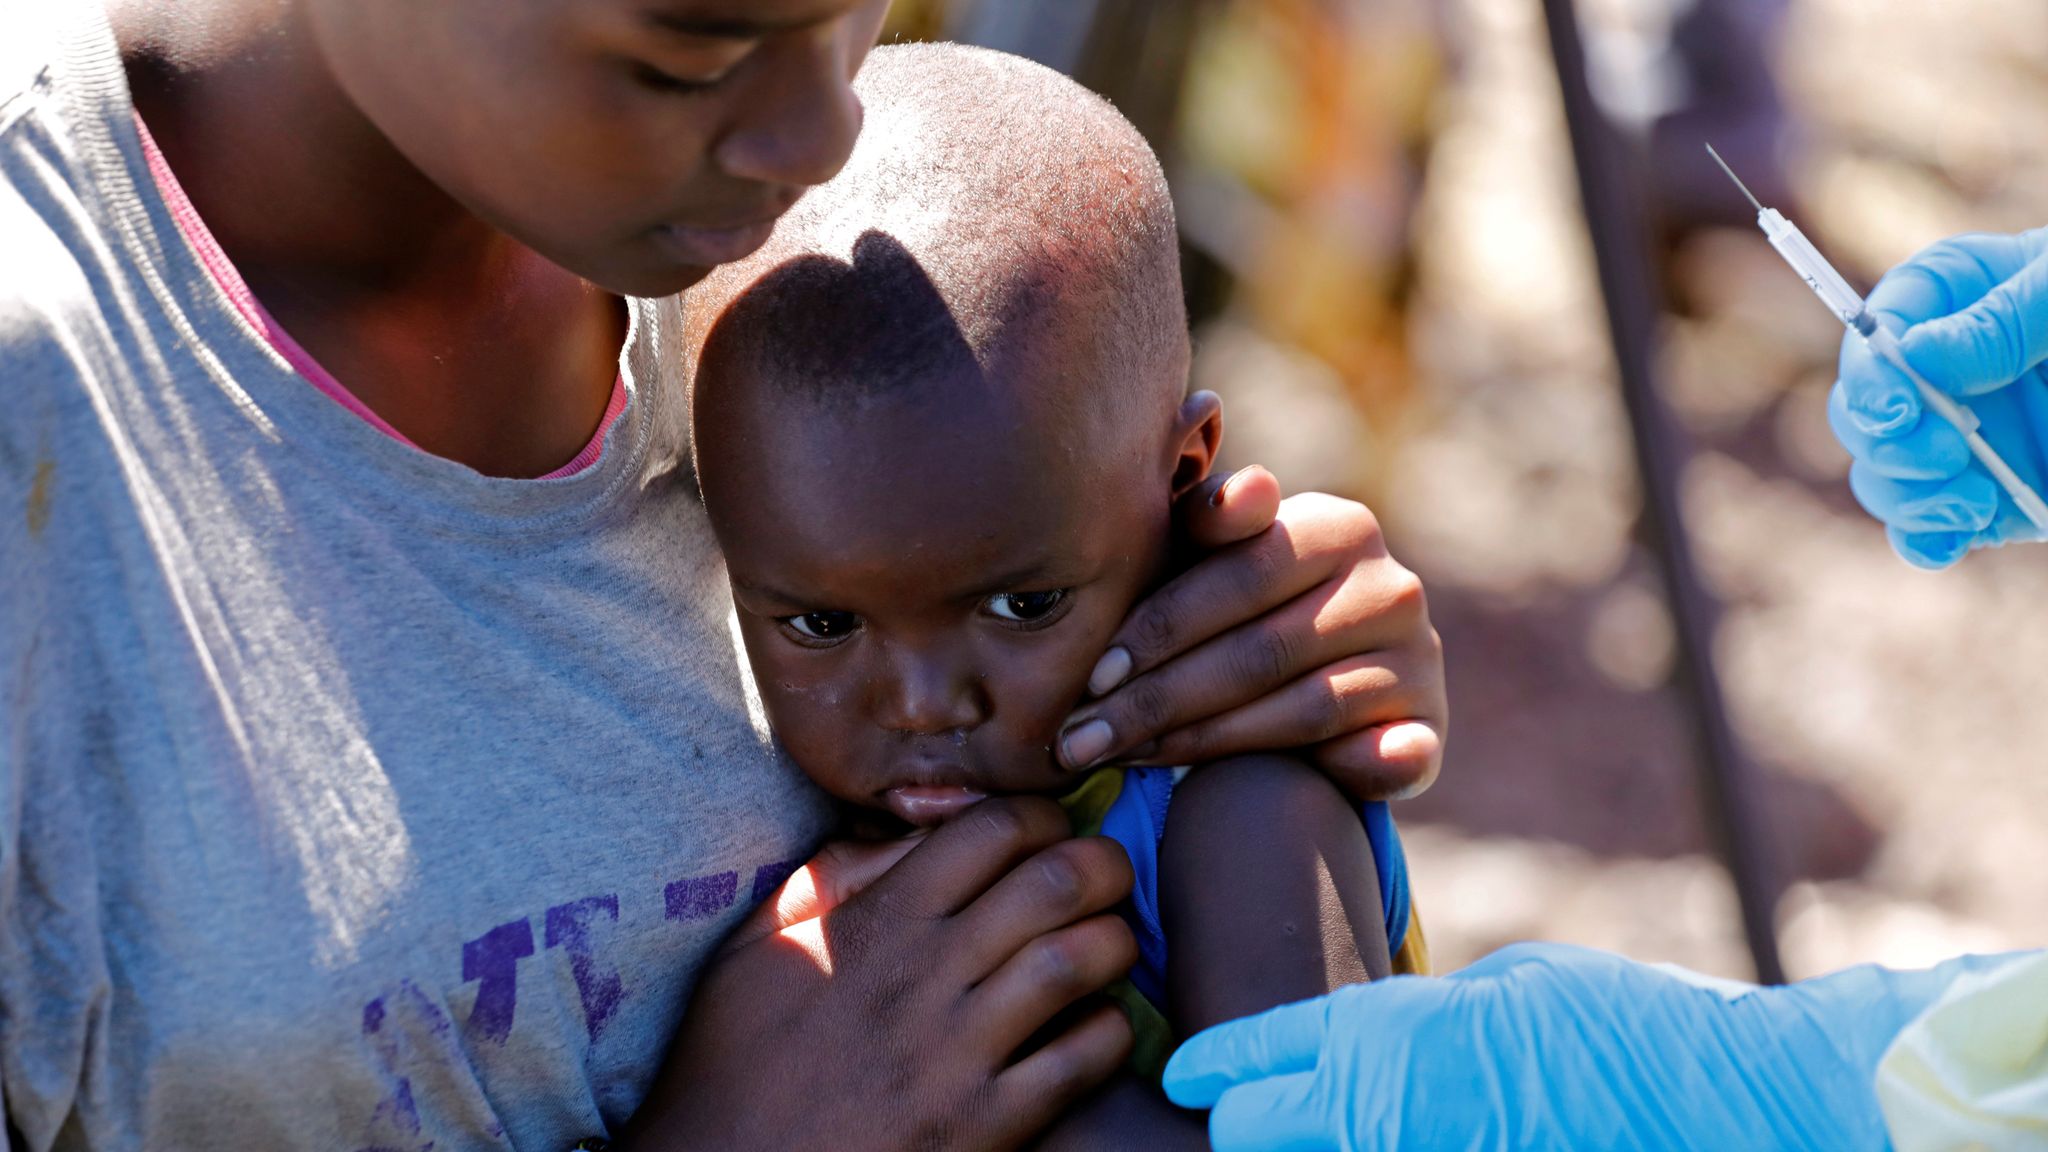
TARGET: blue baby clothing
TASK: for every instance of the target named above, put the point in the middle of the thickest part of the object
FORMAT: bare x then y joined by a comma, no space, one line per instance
1136,819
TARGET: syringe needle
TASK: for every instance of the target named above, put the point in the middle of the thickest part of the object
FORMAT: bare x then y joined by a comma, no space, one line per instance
1734,177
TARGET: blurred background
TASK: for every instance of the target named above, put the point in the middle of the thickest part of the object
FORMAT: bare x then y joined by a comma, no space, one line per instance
1393,283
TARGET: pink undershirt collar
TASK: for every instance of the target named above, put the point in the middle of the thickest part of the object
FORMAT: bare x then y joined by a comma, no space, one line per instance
237,291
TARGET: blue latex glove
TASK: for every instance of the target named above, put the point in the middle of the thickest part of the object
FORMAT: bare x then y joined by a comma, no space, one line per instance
1545,1046
1972,317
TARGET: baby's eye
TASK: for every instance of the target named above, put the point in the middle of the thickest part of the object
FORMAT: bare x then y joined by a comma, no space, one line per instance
823,625
1024,607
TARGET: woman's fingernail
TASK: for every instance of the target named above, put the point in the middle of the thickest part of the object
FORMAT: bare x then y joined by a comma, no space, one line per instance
1109,671
1087,742
1216,497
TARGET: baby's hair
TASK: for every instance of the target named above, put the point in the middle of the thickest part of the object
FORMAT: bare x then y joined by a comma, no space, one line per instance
985,190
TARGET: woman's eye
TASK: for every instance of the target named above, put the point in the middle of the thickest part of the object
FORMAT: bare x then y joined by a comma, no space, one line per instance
1024,607
823,625
657,80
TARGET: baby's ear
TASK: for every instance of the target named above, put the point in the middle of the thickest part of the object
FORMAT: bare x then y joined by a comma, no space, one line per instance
1197,434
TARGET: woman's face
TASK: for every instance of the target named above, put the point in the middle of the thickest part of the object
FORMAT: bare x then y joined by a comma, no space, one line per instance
635,142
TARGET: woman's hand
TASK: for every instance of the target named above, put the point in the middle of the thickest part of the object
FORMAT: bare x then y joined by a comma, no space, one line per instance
1295,631
887,1015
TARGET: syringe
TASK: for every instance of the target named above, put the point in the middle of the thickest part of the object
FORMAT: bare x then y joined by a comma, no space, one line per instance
1841,299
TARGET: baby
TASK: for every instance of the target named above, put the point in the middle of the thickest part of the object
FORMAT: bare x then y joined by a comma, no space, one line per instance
940,422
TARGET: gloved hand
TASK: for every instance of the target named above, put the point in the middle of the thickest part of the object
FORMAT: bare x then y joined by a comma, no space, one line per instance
1555,1047
1972,317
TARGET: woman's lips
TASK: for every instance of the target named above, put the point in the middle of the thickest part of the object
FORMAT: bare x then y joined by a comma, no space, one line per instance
709,247
928,804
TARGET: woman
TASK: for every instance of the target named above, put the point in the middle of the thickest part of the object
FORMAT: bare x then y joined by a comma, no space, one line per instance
1545,1046
377,767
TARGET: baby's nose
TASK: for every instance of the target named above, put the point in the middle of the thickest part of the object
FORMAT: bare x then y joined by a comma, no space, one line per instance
929,694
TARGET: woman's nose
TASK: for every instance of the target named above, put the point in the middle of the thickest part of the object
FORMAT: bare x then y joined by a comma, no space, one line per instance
801,116
927,692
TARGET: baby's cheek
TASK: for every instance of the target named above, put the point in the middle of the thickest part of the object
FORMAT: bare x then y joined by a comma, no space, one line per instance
814,723
1041,683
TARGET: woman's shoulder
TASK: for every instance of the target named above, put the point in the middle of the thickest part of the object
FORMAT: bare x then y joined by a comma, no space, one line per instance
62,80
63,297
31,37
63,112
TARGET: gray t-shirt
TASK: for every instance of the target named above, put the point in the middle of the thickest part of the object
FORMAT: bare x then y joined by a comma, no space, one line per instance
348,799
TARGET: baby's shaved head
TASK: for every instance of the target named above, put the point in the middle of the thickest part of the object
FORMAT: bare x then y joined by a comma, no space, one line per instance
940,423
990,201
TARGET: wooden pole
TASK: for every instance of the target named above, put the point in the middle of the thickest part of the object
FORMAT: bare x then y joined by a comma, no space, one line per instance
1617,222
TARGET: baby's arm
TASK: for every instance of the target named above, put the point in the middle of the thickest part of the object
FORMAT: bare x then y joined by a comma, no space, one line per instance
1269,894
1268,891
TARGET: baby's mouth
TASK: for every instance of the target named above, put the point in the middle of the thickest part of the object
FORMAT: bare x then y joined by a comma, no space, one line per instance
924,805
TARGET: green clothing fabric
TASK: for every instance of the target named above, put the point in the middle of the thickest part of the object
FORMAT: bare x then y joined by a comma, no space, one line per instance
1155,1041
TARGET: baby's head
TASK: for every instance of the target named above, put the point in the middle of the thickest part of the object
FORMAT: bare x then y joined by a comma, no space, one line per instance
940,421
